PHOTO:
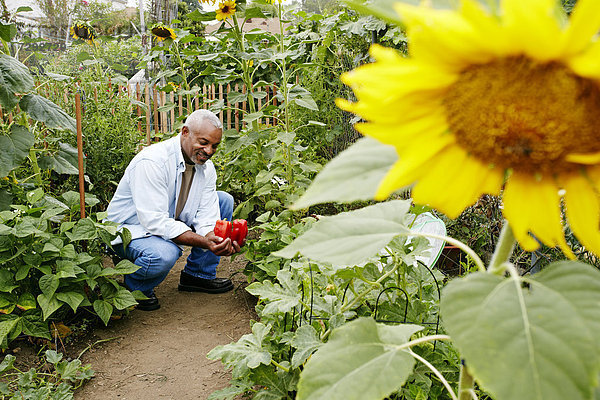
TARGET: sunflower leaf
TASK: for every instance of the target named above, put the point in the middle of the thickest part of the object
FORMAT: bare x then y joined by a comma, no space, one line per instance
43,110
362,360
351,237
14,78
528,338
14,148
353,175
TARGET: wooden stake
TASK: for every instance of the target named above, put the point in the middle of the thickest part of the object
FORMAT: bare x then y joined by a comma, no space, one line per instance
138,96
172,96
80,155
148,110
163,115
156,121
228,108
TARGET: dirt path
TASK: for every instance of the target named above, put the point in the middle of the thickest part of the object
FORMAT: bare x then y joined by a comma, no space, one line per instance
162,354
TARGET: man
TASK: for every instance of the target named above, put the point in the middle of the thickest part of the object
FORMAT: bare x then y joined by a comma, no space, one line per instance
168,198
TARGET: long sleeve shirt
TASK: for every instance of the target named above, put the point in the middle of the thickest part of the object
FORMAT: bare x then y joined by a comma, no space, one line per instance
146,197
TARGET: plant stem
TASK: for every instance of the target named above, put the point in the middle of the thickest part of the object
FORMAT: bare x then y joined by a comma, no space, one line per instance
275,363
436,372
503,251
465,384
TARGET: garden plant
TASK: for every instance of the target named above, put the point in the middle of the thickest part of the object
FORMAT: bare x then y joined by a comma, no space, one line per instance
480,113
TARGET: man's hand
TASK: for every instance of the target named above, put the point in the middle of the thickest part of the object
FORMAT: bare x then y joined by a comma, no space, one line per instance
222,247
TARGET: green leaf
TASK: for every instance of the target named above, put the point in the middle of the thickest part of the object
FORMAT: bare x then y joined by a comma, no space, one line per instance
126,267
83,230
104,310
198,15
65,161
7,363
48,304
53,357
43,110
528,337
26,302
355,174
123,299
351,237
254,12
8,31
362,360
48,284
236,97
305,341
14,78
306,102
14,148
73,299
279,298
7,281
33,324
5,197
247,353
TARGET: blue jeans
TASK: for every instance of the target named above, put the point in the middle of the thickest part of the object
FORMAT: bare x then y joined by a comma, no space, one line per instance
156,256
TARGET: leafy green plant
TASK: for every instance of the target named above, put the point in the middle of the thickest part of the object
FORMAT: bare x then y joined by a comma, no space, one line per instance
56,379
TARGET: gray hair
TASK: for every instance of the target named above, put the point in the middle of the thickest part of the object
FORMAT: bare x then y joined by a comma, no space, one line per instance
198,116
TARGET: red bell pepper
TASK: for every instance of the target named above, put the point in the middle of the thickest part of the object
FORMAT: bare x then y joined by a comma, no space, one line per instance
239,230
223,229
236,230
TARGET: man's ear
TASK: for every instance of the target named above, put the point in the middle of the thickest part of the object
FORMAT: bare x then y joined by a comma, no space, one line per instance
184,131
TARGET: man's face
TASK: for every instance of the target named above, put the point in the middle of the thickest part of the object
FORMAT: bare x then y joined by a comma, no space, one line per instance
200,142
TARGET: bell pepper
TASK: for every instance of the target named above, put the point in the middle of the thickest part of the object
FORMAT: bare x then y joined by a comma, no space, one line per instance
223,229
239,230
236,230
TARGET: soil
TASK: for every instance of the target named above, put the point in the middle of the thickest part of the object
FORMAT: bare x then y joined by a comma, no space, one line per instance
162,354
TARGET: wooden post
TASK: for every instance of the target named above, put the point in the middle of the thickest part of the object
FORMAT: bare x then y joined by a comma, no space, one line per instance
80,155
244,105
221,98
228,107
163,114
148,110
180,105
156,121
259,105
96,94
237,112
205,96
172,96
138,96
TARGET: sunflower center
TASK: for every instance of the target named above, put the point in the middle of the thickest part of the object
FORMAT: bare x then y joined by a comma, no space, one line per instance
225,9
516,113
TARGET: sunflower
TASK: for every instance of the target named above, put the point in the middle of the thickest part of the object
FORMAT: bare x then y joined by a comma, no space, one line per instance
491,101
83,30
226,9
163,32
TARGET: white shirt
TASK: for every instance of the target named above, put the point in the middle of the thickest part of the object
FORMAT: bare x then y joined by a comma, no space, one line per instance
147,194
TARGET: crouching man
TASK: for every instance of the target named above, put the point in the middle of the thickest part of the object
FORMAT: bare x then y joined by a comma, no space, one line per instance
167,198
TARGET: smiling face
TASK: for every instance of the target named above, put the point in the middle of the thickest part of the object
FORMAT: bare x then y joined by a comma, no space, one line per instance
200,141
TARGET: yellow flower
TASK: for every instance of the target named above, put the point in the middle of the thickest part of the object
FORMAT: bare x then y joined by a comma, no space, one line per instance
83,30
162,32
487,102
226,9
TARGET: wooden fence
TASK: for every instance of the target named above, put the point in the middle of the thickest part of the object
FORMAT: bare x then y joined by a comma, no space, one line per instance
162,110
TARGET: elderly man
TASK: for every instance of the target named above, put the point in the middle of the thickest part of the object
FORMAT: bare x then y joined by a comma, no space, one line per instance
168,198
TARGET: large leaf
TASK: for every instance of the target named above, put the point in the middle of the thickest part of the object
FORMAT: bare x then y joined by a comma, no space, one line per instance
43,110
104,310
363,360
279,298
48,304
353,175
14,148
246,353
351,237
384,9
14,78
306,341
528,338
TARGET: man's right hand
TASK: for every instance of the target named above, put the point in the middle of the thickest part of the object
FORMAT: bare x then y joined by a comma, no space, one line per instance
220,246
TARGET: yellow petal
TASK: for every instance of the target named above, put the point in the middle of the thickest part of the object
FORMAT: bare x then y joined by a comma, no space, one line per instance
414,160
398,134
588,159
455,180
587,64
584,24
534,27
583,211
533,206
444,38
